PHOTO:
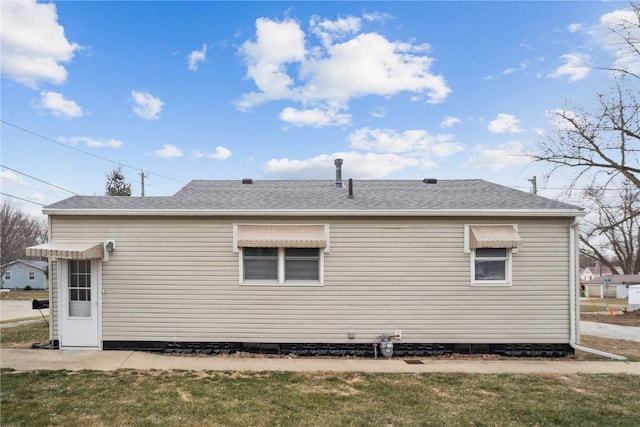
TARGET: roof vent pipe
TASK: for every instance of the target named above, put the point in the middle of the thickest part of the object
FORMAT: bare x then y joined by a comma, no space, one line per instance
247,181
351,188
430,181
338,163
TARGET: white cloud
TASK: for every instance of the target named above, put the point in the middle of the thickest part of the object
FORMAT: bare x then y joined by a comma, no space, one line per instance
33,44
329,31
521,67
59,106
574,28
449,121
221,153
500,157
416,141
345,65
379,112
558,122
277,43
168,151
10,176
146,105
576,67
505,123
356,165
314,117
96,143
369,64
196,57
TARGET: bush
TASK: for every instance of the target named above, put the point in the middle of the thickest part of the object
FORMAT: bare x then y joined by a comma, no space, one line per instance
27,288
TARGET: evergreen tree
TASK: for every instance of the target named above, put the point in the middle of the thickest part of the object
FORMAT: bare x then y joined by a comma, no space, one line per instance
116,184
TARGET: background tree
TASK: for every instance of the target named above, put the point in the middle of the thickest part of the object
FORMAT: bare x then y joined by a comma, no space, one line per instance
116,184
600,147
19,230
609,235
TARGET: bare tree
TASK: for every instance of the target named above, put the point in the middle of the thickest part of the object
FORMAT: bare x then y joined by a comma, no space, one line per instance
604,143
610,234
19,230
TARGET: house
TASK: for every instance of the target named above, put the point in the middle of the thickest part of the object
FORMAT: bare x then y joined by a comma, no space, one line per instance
612,286
22,273
316,267
590,273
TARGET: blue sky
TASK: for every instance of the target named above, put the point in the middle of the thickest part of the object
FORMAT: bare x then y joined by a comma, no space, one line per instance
278,90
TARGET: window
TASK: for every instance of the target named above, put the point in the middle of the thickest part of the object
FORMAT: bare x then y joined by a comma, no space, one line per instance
80,288
282,266
32,275
7,275
260,263
491,266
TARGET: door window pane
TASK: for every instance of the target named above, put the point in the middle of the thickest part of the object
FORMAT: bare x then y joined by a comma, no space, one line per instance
79,288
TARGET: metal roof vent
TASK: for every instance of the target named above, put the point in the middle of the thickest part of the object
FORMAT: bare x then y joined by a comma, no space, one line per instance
339,183
247,181
430,181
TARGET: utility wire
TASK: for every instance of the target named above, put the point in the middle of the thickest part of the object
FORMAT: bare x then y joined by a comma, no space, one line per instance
25,200
39,180
85,152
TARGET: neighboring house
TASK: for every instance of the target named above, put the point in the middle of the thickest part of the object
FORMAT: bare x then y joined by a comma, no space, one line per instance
613,286
315,267
22,273
590,273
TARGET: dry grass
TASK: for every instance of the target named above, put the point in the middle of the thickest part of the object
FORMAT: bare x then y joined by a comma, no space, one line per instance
24,295
140,398
628,318
628,349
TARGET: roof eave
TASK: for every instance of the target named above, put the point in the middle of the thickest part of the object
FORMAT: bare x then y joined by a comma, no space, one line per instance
320,212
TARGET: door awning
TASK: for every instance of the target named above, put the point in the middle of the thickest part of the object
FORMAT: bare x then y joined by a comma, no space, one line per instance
70,250
493,236
281,236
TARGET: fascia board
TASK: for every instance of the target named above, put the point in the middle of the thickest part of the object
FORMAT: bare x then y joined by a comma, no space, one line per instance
570,213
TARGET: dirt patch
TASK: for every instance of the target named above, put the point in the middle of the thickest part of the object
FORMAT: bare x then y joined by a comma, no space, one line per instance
626,318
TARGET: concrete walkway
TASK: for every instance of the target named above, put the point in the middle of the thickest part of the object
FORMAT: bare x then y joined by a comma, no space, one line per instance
605,330
76,360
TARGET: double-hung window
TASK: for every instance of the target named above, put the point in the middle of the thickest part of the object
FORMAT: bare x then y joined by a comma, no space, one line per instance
283,266
32,275
491,266
491,247
281,254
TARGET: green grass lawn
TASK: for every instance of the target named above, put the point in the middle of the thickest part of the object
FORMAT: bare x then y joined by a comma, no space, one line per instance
181,398
24,335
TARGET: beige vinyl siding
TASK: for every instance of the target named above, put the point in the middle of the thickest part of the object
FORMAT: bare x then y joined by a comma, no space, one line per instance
177,279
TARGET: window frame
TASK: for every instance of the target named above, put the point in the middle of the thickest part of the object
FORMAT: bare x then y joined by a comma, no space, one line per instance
281,280
32,275
507,259
7,275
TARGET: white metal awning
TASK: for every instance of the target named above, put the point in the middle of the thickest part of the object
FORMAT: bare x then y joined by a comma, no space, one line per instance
281,236
70,250
493,236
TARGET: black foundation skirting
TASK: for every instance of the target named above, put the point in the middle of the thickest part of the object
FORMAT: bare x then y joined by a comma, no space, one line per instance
357,350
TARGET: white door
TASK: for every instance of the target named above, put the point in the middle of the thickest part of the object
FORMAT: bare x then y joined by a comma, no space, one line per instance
79,308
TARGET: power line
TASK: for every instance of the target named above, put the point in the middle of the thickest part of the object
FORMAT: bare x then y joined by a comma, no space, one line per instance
46,138
39,180
20,198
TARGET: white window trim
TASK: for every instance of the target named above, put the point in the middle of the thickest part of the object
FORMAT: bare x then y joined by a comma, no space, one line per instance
32,275
472,258
280,281
507,282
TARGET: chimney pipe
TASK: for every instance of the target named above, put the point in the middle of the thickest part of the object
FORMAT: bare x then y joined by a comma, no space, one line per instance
350,188
338,163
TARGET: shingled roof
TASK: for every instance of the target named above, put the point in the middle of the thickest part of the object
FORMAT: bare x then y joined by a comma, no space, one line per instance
323,196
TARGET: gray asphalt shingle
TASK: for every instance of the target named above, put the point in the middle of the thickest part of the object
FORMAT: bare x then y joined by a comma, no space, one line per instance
318,195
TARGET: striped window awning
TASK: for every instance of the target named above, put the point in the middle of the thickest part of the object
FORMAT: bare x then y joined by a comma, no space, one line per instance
493,236
281,236
68,250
